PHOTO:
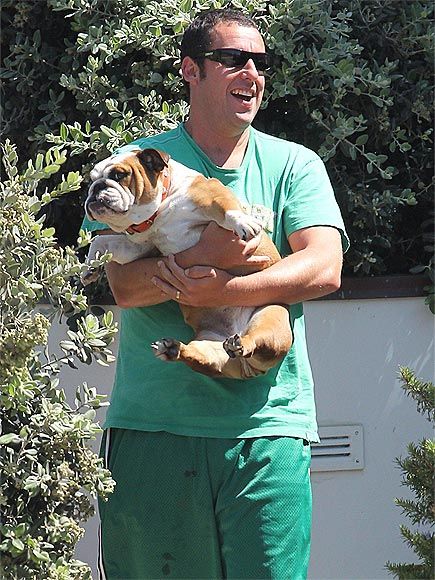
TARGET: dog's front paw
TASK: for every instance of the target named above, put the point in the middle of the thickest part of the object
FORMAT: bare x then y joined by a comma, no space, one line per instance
167,349
245,226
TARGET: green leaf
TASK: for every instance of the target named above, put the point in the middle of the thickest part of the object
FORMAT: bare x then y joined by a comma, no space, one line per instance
51,169
178,27
39,161
40,555
20,530
155,31
362,139
18,544
10,438
382,241
379,102
63,131
186,6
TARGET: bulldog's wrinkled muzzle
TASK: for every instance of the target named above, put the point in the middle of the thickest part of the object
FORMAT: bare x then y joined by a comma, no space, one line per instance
107,196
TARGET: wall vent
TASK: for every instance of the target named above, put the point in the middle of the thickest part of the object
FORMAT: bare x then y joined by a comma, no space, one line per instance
341,448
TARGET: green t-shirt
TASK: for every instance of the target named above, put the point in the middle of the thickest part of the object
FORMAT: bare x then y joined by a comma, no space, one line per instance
287,185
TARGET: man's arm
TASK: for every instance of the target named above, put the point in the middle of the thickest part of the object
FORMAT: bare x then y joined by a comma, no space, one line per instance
132,285
312,271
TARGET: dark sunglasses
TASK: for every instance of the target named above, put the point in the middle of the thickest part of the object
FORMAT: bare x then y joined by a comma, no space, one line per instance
235,57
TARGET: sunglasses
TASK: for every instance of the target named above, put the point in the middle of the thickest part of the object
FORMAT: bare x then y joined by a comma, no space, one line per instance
234,57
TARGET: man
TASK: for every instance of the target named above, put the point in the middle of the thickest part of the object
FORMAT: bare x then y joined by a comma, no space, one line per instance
213,475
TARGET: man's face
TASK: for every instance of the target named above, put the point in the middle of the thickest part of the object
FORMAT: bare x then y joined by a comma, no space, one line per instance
229,97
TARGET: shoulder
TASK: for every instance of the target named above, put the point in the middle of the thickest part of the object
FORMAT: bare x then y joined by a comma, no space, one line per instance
291,153
160,141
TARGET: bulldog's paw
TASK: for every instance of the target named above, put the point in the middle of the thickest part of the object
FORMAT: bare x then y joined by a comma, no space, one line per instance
167,349
242,224
234,347
89,276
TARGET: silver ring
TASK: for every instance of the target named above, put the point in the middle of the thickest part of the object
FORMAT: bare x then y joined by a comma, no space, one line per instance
177,295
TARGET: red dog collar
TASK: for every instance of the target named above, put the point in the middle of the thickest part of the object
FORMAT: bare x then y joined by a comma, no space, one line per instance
143,226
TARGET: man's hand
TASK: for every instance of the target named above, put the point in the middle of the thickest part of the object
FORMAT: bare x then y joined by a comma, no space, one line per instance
222,249
195,286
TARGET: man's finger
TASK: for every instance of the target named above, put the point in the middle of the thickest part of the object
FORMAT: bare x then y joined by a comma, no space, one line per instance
258,260
201,272
174,278
251,245
163,286
172,269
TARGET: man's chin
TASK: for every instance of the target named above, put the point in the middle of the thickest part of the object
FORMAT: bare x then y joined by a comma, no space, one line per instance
246,115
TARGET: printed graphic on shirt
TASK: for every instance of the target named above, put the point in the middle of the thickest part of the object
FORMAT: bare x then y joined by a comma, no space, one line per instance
264,215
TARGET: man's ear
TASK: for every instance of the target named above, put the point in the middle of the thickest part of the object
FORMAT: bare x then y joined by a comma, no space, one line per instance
189,70
153,159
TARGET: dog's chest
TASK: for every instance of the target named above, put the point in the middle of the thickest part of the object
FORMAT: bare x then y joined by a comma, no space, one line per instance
178,225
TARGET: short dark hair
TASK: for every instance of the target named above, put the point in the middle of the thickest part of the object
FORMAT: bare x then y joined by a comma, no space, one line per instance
197,36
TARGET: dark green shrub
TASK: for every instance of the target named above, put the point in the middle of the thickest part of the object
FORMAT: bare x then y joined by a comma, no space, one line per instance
353,79
418,475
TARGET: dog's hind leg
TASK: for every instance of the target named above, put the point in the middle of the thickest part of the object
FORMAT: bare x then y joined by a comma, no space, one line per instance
203,356
265,342
267,339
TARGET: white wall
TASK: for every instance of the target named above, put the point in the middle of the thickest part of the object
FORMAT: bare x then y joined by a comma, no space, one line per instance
356,348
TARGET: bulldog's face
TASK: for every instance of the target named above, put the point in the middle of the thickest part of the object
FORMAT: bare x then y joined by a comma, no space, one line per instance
126,188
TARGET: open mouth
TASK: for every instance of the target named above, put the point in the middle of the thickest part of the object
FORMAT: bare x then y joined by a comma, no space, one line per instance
243,95
98,207
101,207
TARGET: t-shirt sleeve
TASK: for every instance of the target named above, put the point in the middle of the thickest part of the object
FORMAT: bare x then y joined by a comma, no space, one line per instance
93,226
310,198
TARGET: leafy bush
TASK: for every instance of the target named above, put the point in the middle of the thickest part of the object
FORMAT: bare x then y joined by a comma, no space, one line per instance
418,476
352,79
49,473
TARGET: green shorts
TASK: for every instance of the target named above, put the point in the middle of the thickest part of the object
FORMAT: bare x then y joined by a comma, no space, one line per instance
192,507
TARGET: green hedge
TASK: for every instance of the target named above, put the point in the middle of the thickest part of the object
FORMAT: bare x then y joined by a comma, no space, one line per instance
352,79
49,474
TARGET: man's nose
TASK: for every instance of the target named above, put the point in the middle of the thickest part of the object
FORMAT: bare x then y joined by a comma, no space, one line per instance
251,69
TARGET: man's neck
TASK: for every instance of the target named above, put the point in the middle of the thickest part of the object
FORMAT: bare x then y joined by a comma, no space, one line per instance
225,151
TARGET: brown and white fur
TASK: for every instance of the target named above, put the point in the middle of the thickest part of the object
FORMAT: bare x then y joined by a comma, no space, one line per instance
130,188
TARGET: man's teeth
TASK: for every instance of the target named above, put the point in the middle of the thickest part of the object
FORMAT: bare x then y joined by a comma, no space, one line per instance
242,94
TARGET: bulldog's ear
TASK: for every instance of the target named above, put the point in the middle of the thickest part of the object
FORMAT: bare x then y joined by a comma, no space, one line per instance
154,159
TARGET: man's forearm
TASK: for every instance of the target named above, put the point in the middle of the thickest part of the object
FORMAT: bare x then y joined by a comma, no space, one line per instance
296,278
311,271
131,284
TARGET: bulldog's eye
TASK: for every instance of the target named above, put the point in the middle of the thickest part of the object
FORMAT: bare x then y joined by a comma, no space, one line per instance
118,175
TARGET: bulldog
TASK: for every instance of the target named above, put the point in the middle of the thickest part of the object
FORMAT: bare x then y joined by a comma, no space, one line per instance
162,205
